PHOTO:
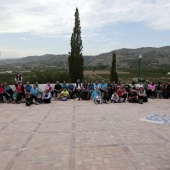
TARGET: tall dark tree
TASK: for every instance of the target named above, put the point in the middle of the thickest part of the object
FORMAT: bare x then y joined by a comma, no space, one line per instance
75,59
113,73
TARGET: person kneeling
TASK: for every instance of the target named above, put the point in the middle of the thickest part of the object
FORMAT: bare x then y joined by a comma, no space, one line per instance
64,95
47,97
133,97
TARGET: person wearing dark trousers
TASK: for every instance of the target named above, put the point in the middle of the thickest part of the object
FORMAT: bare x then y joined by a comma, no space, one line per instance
57,89
122,93
47,97
142,94
34,94
133,97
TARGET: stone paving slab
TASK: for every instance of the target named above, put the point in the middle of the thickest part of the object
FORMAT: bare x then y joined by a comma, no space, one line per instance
79,135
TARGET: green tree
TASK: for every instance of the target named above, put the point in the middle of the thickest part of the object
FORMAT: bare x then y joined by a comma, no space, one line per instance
113,73
75,59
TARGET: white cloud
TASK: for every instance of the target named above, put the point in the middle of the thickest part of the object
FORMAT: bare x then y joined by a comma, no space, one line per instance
56,17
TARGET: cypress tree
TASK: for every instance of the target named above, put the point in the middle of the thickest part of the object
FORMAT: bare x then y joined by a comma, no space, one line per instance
113,73
75,59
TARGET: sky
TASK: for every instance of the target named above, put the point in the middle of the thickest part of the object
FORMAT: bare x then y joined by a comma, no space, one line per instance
38,27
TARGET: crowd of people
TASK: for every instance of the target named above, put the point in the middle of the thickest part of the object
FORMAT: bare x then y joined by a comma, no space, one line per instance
109,92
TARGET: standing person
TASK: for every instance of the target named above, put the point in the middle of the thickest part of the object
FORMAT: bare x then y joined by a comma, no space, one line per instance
127,87
146,88
151,88
34,94
109,87
122,93
158,90
18,79
164,91
57,89
78,87
47,97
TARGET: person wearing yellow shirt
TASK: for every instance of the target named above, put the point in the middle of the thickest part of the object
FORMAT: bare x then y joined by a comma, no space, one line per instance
64,95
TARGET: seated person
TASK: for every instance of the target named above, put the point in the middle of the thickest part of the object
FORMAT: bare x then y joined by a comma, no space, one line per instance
47,97
133,97
34,94
64,85
5,94
57,89
90,88
28,88
38,88
10,93
21,90
115,98
122,93
85,93
106,97
64,95
142,94
97,97
71,90
78,87
49,87
16,97
102,87
1,92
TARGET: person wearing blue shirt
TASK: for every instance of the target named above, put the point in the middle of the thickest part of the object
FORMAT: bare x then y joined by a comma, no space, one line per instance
71,90
102,87
64,85
96,95
27,89
34,94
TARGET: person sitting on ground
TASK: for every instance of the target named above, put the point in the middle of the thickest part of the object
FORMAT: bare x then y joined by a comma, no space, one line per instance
49,87
16,97
133,97
34,94
115,98
71,90
106,97
64,85
47,97
28,88
57,89
18,79
97,97
122,93
64,95
142,94
102,87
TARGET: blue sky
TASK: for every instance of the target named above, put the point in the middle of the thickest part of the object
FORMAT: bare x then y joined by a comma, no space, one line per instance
40,27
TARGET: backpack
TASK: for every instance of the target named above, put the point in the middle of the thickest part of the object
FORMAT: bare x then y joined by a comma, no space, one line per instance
28,102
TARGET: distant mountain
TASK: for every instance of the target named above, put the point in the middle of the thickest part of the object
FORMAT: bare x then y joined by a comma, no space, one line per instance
125,58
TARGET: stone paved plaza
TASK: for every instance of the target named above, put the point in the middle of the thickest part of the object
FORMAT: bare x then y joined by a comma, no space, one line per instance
79,135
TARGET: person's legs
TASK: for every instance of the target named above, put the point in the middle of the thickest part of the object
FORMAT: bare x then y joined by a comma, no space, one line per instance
124,96
1,97
6,96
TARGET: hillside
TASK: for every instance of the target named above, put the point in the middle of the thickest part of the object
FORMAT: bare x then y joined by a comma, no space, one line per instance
125,58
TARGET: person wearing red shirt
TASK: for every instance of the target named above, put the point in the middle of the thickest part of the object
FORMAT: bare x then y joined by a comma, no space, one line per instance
1,92
122,93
